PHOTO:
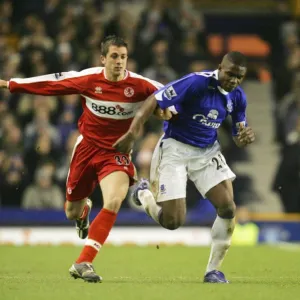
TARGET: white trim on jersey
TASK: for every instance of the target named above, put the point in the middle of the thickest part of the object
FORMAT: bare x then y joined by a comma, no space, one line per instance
58,76
112,110
214,74
156,84
78,141
159,94
208,74
126,75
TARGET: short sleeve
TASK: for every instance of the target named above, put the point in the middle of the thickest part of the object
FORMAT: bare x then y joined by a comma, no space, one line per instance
238,114
179,91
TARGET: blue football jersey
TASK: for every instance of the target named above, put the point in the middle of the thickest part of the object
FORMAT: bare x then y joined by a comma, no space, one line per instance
202,106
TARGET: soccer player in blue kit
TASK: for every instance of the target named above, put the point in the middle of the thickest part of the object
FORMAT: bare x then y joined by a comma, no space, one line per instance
189,149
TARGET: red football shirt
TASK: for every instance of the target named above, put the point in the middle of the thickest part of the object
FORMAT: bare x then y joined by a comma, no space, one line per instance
108,107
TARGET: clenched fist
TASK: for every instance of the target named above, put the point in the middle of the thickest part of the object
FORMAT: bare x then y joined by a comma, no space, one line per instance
245,135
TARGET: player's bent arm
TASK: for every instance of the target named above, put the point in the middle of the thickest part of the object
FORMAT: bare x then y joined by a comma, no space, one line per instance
142,115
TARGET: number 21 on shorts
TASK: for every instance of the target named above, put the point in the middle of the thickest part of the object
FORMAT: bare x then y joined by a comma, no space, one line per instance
219,160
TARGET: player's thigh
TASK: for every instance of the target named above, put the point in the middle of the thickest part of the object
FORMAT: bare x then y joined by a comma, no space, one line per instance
173,213
114,188
82,178
168,172
213,179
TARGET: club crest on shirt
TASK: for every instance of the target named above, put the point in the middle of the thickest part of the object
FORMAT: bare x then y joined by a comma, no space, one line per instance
163,189
229,105
129,92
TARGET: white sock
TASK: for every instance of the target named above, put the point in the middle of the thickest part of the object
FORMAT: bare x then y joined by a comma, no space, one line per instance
221,233
148,202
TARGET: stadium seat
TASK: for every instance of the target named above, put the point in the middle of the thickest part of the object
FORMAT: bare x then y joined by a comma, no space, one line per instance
216,44
250,45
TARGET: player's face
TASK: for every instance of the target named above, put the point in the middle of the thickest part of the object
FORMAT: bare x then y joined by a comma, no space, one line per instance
115,61
231,76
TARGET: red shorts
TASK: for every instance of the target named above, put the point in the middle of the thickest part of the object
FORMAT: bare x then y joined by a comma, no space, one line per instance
89,165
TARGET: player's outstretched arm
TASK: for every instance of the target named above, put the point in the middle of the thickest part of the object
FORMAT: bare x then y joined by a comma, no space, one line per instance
64,83
125,143
3,84
245,136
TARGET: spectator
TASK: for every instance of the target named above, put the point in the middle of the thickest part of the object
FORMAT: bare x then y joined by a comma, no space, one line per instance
160,70
43,193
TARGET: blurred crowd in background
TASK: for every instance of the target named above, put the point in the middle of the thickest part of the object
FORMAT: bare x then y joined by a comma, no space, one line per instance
167,39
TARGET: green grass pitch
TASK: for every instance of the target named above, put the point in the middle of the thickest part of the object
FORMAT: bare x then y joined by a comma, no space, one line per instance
142,273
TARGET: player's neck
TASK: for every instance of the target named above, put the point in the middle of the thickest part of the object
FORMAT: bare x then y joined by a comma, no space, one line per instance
114,78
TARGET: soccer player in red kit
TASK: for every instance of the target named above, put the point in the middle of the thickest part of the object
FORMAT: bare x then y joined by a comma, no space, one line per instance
110,96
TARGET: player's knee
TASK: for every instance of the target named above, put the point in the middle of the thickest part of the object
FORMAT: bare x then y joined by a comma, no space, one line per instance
113,204
172,222
72,214
227,210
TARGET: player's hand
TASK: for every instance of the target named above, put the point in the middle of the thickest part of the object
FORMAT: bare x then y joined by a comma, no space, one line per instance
3,83
163,114
245,135
125,143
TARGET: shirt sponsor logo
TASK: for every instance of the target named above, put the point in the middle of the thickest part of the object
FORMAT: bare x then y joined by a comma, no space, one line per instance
111,110
213,114
57,75
206,120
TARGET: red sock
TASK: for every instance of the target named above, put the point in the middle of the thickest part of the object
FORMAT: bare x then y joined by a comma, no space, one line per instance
98,233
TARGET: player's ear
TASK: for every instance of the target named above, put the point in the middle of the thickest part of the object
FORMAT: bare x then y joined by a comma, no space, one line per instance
103,59
219,67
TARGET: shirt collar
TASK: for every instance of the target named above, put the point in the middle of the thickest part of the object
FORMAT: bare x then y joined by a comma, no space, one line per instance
216,75
125,76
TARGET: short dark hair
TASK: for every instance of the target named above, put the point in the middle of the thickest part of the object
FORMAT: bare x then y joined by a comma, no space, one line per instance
237,58
112,40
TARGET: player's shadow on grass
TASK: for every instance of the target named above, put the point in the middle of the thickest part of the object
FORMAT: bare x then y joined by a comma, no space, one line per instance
267,281
235,281
155,280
